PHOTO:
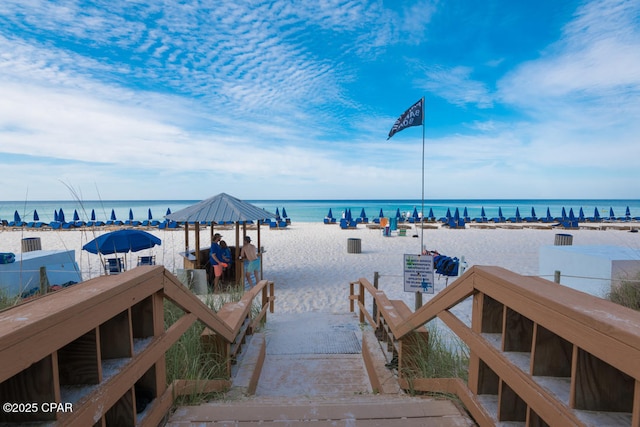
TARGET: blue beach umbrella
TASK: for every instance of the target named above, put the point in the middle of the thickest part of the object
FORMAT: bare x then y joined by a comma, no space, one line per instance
113,215
16,217
482,212
122,241
533,212
363,214
76,217
431,213
93,215
596,214
284,213
130,214
381,214
61,216
581,215
149,216
35,216
277,213
56,217
168,211
330,214
415,213
627,213
611,214
398,215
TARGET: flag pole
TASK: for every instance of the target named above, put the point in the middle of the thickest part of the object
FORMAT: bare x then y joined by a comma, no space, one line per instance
422,219
418,299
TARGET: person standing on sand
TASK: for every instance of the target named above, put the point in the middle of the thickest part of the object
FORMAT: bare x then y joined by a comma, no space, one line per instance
251,261
215,257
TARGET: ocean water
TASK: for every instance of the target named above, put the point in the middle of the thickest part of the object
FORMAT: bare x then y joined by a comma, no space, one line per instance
316,210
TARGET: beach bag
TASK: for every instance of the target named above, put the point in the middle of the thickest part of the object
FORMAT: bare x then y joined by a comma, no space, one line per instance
7,257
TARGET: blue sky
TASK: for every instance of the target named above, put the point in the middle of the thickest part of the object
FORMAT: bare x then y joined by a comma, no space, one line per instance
294,99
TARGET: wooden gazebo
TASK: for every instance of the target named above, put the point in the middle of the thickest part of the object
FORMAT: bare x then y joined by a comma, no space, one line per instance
220,210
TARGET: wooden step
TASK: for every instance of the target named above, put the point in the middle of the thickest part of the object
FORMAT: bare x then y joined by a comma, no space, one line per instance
355,411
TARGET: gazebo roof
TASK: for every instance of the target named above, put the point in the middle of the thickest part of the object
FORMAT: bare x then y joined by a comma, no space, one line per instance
219,209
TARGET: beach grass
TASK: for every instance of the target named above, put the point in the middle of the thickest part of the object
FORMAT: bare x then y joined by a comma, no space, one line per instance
627,293
442,355
188,358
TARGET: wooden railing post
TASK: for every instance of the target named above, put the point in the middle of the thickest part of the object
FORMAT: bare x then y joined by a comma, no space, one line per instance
361,300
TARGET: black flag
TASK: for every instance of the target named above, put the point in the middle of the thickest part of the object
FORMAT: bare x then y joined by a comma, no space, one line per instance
414,116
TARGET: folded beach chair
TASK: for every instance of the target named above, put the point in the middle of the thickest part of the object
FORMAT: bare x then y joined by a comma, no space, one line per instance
114,266
147,260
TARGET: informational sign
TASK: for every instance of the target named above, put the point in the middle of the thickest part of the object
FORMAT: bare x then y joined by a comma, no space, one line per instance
418,273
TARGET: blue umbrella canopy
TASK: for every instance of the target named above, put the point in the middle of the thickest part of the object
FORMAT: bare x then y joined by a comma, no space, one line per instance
482,212
415,213
431,213
330,214
168,211
596,214
93,215
35,216
61,216
76,217
284,213
130,214
149,216
16,217
581,215
533,212
363,214
398,215
113,215
611,214
381,214
122,241
56,217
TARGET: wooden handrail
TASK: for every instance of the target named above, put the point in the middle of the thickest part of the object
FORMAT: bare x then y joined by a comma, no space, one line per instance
545,352
64,339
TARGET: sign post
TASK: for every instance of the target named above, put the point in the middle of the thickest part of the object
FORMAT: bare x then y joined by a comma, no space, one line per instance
418,273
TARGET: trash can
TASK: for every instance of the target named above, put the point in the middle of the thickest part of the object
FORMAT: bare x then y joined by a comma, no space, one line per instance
354,246
563,240
31,244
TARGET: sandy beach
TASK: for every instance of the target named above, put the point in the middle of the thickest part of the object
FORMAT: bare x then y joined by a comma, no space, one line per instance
311,267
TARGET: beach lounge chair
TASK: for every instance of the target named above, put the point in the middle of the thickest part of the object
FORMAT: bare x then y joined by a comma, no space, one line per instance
500,217
516,218
456,221
147,260
114,266
445,219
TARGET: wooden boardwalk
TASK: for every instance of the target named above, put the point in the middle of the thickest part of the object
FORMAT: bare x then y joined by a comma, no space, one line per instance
314,374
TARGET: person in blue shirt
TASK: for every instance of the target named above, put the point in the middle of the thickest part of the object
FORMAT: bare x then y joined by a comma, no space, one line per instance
218,264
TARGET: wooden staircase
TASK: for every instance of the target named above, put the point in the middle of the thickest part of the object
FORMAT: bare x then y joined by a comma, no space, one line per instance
290,375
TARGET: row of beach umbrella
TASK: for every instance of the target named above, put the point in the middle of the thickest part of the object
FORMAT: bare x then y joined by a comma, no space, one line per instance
415,217
60,221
